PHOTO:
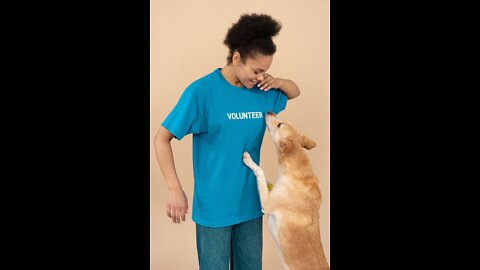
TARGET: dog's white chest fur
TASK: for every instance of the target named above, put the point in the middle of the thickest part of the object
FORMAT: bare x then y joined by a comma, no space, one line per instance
274,220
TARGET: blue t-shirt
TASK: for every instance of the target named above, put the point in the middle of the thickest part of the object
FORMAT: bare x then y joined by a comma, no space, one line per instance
225,121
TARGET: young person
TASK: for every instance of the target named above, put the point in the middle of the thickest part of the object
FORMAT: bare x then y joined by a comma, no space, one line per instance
224,111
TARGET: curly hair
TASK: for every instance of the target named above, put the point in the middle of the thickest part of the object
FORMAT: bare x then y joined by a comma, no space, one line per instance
252,34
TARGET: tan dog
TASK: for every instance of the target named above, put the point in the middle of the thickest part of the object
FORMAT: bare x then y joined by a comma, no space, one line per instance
293,204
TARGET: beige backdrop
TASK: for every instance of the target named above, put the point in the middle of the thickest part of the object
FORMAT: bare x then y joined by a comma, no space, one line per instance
186,43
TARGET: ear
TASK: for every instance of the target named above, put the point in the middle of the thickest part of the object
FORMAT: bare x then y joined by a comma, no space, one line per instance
236,57
286,145
306,142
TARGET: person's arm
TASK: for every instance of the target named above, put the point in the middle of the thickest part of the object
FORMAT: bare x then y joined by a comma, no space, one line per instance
288,87
177,203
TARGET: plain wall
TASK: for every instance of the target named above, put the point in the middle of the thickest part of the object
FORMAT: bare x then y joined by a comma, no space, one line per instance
186,43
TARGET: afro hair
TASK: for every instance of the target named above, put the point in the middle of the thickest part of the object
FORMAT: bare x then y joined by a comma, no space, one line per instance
252,34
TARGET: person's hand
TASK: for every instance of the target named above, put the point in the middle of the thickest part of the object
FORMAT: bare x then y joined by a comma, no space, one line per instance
269,82
177,205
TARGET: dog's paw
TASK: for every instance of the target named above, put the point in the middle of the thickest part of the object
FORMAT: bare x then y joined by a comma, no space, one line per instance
247,159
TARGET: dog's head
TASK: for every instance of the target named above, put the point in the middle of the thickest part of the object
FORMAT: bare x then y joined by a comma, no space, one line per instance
285,137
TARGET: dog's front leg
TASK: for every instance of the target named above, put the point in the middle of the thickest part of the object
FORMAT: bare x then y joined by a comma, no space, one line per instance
261,181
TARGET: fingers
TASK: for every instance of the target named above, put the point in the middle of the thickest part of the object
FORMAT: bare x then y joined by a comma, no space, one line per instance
183,213
177,214
267,82
172,215
180,215
264,85
261,82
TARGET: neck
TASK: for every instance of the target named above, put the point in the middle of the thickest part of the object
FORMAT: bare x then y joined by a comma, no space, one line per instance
229,75
296,163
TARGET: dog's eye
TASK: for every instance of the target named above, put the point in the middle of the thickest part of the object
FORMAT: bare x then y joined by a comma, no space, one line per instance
279,124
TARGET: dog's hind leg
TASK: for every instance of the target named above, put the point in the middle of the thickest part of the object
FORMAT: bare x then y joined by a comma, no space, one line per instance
261,181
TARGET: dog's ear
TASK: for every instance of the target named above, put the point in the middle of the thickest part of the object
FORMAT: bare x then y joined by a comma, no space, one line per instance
306,142
286,145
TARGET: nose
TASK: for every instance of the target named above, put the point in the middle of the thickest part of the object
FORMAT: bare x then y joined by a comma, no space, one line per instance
260,78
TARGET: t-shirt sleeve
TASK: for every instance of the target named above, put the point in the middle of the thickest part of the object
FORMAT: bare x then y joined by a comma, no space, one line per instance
186,117
278,100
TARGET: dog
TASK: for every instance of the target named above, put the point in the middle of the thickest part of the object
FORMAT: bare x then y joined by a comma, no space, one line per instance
292,205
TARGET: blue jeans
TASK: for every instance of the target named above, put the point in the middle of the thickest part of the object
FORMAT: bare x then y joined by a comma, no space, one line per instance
239,246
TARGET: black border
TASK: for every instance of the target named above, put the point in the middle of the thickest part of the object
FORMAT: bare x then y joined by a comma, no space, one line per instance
87,186
369,138
391,166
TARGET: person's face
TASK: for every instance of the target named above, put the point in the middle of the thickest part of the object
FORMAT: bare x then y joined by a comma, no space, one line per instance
253,70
